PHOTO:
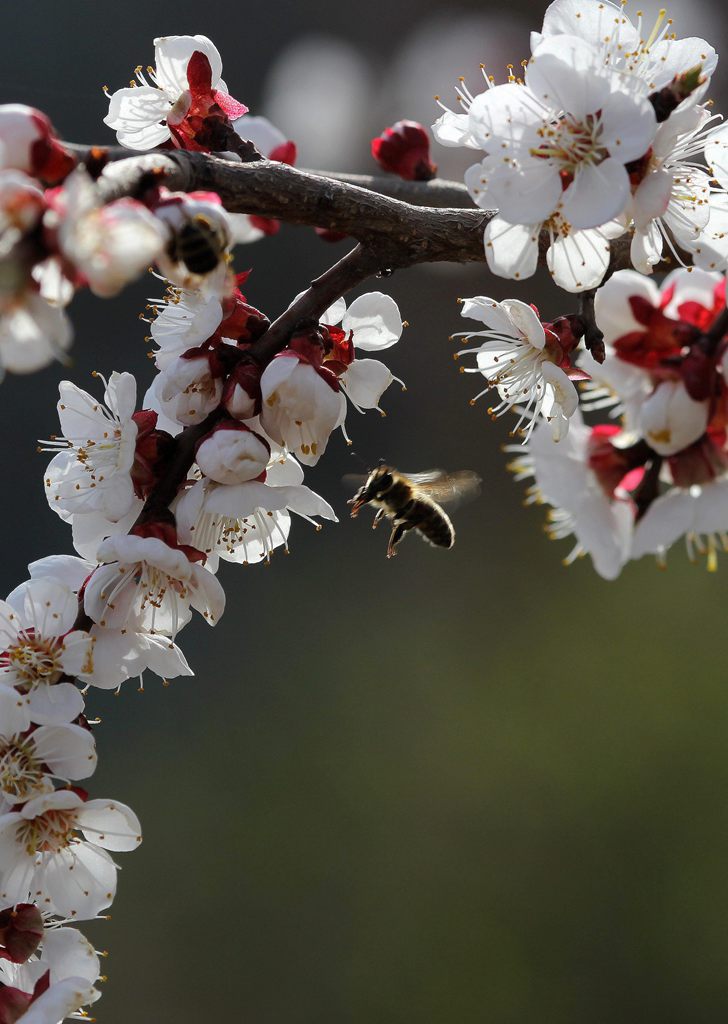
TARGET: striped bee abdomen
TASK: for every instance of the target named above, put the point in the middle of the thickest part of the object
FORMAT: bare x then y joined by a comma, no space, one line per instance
431,523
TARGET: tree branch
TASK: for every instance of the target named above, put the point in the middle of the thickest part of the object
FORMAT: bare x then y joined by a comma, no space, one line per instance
403,233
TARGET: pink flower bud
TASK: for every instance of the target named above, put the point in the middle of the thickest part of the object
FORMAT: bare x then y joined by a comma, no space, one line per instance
404,149
232,454
30,144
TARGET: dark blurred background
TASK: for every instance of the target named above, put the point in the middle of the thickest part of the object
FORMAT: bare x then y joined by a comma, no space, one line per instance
459,786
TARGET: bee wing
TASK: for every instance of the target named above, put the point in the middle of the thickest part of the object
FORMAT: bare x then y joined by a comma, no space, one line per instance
353,481
449,488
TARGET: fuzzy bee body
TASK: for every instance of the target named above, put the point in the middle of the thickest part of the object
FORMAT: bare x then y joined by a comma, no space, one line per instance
409,502
199,245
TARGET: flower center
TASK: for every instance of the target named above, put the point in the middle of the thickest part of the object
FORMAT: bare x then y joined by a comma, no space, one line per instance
571,143
20,773
48,833
34,659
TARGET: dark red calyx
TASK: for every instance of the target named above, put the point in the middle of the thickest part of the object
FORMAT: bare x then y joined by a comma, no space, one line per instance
702,462
21,930
152,449
13,1003
669,98
309,342
339,349
404,149
246,375
164,527
609,464
241,321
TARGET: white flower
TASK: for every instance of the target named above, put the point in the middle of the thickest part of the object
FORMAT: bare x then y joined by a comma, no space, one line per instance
699,513
670,419
33,333
246,522
109,244
39,645
71,965
576,260
655,56
29,761
92,471
516,360
232,454
302,404
563,478
150,584
183,319
41,852
118,654
374,323
572,117
186,391
139,114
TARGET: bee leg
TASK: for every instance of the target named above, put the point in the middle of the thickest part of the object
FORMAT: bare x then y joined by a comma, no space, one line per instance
378,518
395,537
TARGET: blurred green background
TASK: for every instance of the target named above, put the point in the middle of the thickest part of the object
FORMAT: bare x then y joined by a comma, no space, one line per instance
459,786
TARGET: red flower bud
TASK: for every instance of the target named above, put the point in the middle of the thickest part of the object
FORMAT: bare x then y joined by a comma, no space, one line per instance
152,446
21,930
404,149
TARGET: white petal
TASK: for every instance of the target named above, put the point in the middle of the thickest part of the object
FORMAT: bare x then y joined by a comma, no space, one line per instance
499,117
68,750
511,249
564,74
579,261
526,322
612,306
171,57
69,954
365,382
110,824
628,125
134,114
80,881
55,705
375,320
452,129
598,193
667,518
525,189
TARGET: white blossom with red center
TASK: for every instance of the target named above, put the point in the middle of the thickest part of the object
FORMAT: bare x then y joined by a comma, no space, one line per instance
572,123
372,323
528,363
651,53
302,401
41,852
38,647
246,522
53,984
92,471
119,654
151,584
154,111
600,519
29,761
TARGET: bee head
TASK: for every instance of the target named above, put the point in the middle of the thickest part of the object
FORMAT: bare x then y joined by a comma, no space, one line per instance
379,482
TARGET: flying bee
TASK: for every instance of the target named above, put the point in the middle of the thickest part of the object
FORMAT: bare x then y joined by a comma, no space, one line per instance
412,502
199,244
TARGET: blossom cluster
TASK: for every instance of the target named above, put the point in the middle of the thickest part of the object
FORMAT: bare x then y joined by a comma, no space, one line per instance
597,138
206,467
